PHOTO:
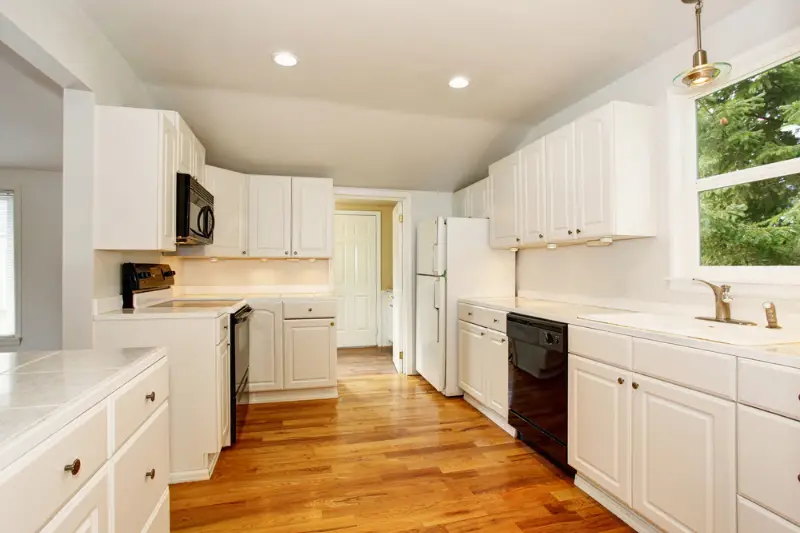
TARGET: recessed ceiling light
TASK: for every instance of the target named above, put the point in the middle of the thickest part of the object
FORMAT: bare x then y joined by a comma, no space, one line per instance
459,82
285,59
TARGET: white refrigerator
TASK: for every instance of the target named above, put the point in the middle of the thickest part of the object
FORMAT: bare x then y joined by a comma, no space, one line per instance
454,261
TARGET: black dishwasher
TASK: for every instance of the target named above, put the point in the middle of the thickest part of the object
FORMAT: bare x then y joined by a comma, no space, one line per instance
537,383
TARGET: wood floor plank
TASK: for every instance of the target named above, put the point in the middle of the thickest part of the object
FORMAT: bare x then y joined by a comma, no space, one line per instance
389,455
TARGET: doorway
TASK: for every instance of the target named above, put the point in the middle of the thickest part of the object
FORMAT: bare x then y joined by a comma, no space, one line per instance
365,282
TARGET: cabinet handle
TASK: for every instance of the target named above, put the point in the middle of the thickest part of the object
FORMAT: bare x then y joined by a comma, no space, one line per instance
310,309
244,253
151,396
74,467
620,381
151,474
541,236
502,341
333,324
569,232
579,231
496,321
517,239
635,385
295,253
286,253
482,333
469,314
225,327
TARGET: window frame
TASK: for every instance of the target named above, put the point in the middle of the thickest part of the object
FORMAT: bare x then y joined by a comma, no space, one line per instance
685,185
16,337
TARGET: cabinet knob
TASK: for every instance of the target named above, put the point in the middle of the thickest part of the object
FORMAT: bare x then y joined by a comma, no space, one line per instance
541,236
635,385
579,231
569,232
502,341
496,321
620,381
469,314
151,474
286,253
74,467
310,309
295,253
244,252
151,396
517,239
333,324
482,333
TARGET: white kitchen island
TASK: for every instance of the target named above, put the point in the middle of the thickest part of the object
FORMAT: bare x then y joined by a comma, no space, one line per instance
84,441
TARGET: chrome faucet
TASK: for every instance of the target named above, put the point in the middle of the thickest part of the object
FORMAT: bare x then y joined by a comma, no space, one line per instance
722,305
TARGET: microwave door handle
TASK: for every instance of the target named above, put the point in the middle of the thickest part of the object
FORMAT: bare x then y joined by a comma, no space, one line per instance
211,222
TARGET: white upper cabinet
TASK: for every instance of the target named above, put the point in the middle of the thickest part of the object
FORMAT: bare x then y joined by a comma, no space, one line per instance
503,186
270,216
134,146
560,184
199,170
186,147
230,214
461,203
312,217
479,199
532,191
588,180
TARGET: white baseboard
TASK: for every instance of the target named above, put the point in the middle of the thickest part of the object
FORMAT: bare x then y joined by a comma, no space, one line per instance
300,395
212,463
501,422
188,476
639,524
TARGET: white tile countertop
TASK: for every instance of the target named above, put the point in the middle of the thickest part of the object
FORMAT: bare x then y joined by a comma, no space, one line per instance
41,392
595,317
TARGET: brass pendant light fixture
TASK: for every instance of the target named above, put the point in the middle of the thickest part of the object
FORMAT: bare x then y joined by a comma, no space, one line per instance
702,72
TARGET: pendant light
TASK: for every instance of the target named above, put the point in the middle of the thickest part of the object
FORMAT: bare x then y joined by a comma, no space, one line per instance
702,72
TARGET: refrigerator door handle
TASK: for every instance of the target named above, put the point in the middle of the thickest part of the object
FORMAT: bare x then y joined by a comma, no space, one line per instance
435,269
437,305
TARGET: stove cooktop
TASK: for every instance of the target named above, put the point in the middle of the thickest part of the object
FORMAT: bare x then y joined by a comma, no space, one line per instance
197,303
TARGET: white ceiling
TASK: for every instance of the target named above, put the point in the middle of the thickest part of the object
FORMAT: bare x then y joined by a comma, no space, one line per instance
369,102
30,115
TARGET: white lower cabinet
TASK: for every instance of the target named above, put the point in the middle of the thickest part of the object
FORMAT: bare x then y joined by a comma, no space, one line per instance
309,353
88,511
599,417
224,394
755,519
266,349
496,347
470,360
684,458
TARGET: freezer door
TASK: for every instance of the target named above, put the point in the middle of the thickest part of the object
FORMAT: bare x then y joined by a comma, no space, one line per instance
431,250
431,330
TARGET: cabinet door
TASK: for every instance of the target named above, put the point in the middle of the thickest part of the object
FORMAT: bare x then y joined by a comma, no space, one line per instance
471,348
532,190
599,442
224,394
167,182
560,184
186,161
479,199
309,353
86,512
200,163
312,217
461,207
270,216
684,458
496,369
593,167
230,213
266,349
503,184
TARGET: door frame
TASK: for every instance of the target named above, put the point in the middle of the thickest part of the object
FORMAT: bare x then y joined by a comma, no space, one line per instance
404,264
377,216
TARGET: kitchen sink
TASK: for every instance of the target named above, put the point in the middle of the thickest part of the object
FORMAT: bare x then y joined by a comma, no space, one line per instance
700,329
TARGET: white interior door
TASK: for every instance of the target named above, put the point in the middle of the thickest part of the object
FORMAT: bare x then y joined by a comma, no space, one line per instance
397,288
355,268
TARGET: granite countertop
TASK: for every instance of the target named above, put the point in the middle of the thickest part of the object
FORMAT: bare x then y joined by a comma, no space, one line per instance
41,392
591,316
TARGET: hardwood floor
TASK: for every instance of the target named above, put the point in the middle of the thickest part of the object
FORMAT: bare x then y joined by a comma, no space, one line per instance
389,455
364,362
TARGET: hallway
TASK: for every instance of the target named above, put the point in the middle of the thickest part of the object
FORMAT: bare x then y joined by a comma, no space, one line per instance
389,455
359,362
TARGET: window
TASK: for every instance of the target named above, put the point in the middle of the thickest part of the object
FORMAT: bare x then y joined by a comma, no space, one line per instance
735,188
748,170
8,285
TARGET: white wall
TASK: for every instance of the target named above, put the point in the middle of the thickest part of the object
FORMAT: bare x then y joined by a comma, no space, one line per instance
39,202
639,269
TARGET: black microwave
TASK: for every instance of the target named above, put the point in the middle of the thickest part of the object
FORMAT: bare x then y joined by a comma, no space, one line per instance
194,212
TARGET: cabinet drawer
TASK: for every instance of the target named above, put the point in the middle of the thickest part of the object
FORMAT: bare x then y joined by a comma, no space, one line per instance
309,309
769,462
469,313
33,488
482,316
697,369
135,493
770,387
223,328
138,400
601,346
755,519
159,521
89,506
